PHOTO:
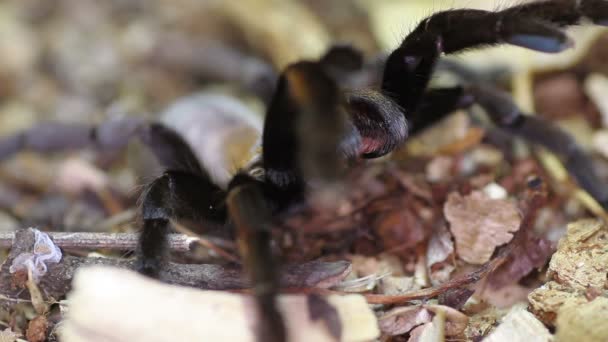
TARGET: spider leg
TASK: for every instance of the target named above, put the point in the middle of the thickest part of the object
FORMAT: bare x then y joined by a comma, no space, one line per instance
251,215
379,120
174,195
306,133
503,112
53,136
438,103
534,26
183,192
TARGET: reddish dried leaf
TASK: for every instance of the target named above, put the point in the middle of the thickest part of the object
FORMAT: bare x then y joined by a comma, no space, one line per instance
480,224
401,320
400,228
532,253
36,329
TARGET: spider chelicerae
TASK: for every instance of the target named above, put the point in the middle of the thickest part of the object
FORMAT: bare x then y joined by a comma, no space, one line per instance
316,125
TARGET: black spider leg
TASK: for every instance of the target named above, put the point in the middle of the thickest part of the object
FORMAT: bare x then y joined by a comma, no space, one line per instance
54,137
503,112
438,103
534,26
306,138
377,125
251,215
306,133
183,192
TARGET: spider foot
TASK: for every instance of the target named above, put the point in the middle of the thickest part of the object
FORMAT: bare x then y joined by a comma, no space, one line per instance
150,267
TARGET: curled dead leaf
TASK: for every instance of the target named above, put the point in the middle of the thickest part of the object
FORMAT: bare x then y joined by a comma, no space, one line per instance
480,224
403,319
455,321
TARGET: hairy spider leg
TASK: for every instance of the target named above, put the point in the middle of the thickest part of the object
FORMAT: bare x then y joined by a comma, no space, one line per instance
535,26
504,112
184,192
376,123
307,133
436,104
307,137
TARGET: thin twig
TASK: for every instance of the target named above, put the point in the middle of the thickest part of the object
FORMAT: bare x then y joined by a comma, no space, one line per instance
205,242
110,241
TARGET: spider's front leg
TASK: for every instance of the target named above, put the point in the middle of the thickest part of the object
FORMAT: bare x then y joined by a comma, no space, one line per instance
533,25
307,138
307,133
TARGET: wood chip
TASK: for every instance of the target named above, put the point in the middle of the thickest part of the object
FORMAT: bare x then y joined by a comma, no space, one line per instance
139,309
546,301
7,335
580,270
520,325
596,86
583,322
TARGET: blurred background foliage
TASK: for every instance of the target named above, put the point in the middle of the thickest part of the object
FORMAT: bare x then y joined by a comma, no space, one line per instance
83,60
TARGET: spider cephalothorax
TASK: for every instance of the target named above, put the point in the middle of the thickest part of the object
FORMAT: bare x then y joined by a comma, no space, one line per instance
315,126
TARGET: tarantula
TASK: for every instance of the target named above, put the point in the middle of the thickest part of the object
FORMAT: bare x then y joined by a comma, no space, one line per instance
314,128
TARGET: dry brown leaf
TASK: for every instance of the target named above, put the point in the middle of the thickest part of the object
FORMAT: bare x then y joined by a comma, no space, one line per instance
401,320
438,253
440,247
455,321
36,329
480,224
401,228
532,253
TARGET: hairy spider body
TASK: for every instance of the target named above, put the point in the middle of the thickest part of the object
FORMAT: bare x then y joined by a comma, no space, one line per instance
315,126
